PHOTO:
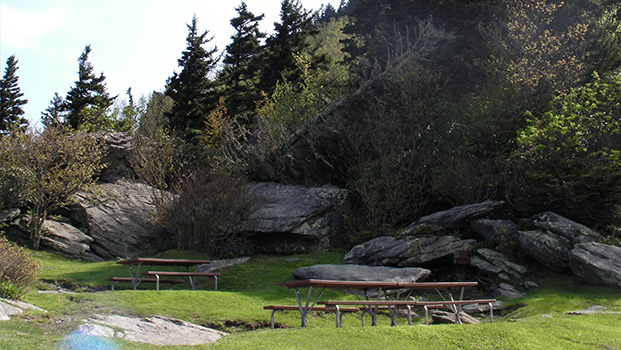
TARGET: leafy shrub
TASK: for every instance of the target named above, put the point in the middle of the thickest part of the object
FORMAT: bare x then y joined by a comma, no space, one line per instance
18,271
207,213
569,158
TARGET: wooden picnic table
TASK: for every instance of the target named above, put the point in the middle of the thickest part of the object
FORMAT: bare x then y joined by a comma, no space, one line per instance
136,278
368,288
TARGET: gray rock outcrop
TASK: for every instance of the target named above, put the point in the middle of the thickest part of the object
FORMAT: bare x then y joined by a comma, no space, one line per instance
496,263
454,217
362,273
406,251
13,307
597,263
549,249
73,243
158,330
573,231
294,219
118,216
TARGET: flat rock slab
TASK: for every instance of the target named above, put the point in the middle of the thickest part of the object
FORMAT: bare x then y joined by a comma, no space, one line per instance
361,273
12,307
157,330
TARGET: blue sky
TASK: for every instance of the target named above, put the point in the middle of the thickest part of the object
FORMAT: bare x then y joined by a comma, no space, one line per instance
135,43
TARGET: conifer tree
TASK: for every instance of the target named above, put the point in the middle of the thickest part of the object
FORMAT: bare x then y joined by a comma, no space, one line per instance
10,99
89,92
53,116
241,63
290,33
192,90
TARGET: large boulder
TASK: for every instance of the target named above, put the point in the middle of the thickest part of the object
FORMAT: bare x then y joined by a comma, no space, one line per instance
406,251
454,217
597,263
294,219
573,231
118,145
548,248
362,273
68,240
496,263
118,217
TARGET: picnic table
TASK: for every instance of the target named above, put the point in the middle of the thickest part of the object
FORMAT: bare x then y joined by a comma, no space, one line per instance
179,264
389,290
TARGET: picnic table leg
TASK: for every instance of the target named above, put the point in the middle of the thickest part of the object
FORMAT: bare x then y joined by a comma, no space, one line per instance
302,308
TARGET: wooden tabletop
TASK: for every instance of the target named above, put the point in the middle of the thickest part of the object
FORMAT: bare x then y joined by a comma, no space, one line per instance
163,262
374,284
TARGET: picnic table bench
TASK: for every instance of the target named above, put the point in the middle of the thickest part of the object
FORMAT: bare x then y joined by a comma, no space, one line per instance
189,275
170,282
136,278
394,304
339,311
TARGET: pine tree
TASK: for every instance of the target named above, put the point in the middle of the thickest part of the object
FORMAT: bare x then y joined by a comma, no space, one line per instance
89,92
192,90
295,24
241,63
54,114
10,99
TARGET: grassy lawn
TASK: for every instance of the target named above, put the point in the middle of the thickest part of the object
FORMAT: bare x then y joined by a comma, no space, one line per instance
537,321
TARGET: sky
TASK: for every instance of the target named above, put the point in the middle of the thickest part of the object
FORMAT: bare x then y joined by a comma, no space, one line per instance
135,43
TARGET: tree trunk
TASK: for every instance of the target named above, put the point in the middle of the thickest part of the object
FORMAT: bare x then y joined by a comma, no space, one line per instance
36,225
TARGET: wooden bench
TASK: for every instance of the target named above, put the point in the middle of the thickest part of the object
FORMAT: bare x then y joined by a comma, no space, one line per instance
372,307
116,280
189,275
339,311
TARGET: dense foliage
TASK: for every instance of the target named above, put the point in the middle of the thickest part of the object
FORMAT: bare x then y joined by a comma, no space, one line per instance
45,171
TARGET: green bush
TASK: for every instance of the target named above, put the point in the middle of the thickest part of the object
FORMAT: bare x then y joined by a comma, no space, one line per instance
18,271
569,158
207,213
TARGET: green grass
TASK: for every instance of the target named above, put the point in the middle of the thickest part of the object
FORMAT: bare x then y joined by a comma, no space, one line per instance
538,321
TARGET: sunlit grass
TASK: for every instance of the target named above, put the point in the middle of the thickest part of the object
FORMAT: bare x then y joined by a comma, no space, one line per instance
537,321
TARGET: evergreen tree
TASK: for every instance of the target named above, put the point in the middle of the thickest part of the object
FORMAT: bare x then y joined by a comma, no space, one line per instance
241,62
295,24
89,92
10,99
54,115
192,90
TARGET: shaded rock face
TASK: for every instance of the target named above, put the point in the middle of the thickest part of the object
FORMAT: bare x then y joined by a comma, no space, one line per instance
406,251
362,273
549,249
294,219
455,217
597,263
573,231
494,230
118,146
496,263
